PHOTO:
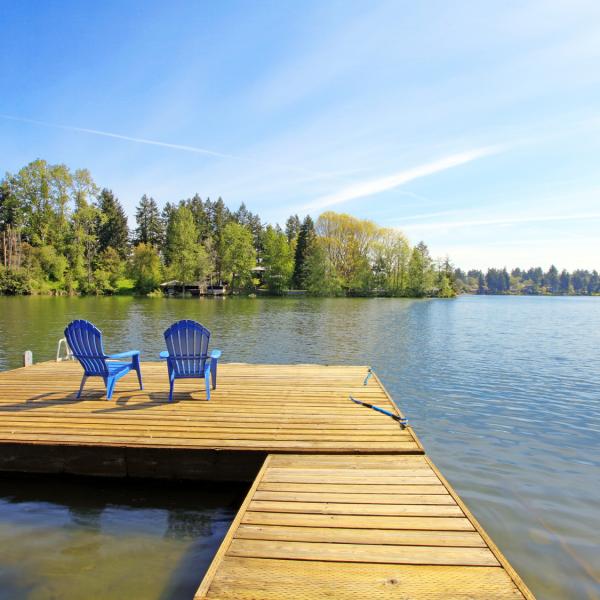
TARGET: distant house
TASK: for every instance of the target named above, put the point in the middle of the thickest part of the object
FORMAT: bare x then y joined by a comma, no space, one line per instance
216,290
174,287
195,288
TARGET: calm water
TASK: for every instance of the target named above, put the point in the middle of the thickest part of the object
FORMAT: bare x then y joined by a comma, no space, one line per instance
503,391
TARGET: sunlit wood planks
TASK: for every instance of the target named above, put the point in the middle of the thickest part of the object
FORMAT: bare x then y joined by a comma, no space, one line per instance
308,529
269,408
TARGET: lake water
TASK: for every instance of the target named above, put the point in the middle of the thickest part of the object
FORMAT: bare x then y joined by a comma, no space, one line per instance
503,391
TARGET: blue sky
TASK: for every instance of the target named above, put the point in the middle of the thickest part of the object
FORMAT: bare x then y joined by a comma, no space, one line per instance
472,125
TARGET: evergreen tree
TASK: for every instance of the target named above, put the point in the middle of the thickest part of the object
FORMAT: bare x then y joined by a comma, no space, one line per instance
292,228
417,273
418,270
480,283
306,236
252,222
219,216
551,280
166,219
150,228
593,286
200,215
112,228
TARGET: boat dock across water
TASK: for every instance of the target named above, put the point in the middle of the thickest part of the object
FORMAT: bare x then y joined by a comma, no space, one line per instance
344,501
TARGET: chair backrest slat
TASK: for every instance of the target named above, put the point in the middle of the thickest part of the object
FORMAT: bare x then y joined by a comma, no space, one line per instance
187,343
85,340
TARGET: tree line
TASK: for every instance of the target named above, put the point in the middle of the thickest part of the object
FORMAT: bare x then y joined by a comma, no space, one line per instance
61,233
533,281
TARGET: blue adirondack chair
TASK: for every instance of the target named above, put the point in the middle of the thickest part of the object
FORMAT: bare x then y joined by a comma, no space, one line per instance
85,340
187,355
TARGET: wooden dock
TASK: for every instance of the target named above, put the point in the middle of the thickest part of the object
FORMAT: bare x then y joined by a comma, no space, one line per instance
345,505
385,526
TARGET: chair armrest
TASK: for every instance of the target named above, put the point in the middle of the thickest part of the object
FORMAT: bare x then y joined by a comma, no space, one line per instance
164,355
129,354
215,354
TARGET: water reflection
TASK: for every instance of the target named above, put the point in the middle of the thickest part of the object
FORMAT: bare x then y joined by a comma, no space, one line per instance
98,539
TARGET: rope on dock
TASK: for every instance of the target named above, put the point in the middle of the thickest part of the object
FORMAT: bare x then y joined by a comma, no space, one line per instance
401,420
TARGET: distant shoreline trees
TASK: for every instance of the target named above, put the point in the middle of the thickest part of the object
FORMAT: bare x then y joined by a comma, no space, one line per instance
529,282
60,233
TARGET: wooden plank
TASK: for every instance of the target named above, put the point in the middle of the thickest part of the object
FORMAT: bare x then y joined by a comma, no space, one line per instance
358,521
270,579
357,488
401,479
341,497
397,537
338,508
363,553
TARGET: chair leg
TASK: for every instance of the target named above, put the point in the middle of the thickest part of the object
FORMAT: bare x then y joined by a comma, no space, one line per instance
207,383
83,380
171,386
213,373
136,366
110,386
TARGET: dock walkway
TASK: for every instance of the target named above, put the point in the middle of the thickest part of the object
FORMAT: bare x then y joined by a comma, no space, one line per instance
345,505
356,527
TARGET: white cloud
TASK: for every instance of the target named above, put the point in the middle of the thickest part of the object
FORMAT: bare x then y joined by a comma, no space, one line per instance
375,186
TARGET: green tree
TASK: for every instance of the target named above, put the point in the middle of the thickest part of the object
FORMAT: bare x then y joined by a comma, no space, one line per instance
252,222
200,214
42,192
167,219
83,246
319,274
277,260
189,260
113,231
219,216
149,229
146,269
12,219
292,228
551,280
348,243
239,255
306,237
109,269
391,254
419,271
53,264
564,284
